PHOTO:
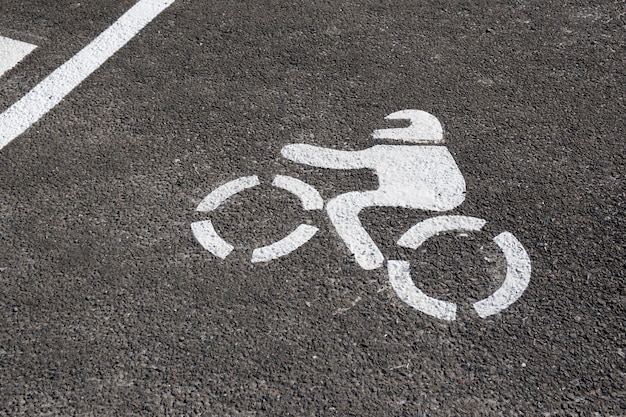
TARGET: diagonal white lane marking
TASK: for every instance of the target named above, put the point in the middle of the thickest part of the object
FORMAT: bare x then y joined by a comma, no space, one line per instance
12,52
49,92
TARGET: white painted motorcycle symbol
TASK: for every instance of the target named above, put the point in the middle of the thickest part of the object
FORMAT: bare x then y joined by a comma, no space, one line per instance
421,176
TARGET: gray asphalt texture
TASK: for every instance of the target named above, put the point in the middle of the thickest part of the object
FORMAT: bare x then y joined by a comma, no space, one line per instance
108,305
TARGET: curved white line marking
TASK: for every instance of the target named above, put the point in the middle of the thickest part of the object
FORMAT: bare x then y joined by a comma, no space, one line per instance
428,228
285,246
517,277
310,198
403,285
217,196
209,239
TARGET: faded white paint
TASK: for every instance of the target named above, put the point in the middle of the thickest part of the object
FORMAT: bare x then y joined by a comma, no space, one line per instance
48,93
222,193
209,239
309,196
285,246
12,52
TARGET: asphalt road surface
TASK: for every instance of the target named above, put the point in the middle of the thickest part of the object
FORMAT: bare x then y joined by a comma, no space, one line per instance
110,306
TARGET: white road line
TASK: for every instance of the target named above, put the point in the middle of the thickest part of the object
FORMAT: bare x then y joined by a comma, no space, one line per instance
12,52
49,92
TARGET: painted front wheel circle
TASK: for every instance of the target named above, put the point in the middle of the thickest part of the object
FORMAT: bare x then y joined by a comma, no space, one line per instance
516,281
